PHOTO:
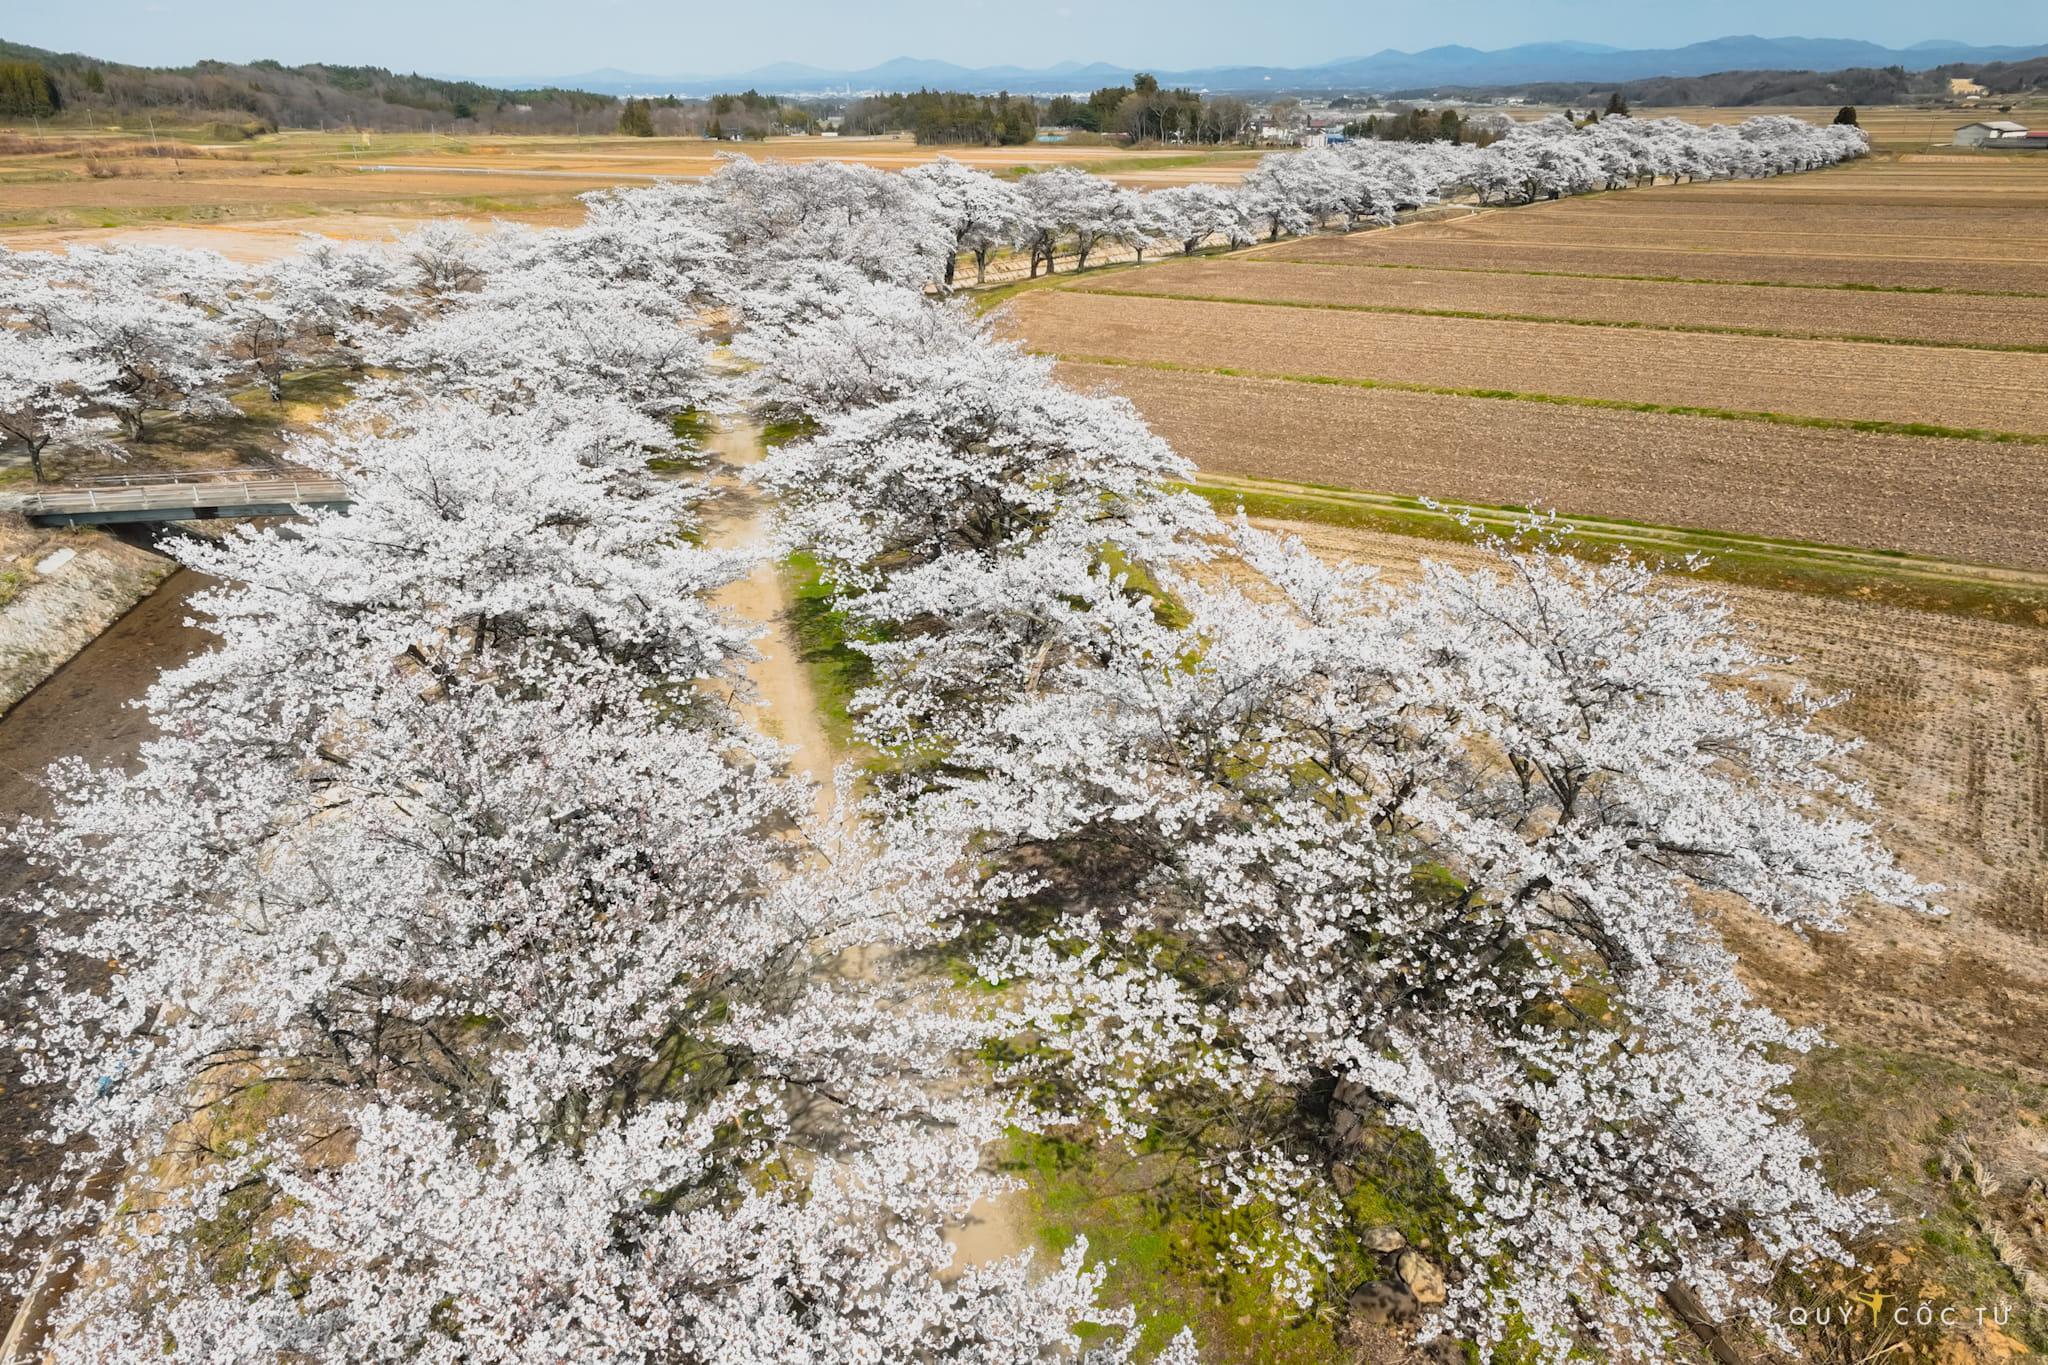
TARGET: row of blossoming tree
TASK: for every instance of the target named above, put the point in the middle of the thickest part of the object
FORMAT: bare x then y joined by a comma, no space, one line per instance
1353,185
92,343
456,976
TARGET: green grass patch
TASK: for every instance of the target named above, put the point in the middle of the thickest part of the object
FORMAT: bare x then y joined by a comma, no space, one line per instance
836,669
1784,419
776,434
1121,165
1166,608
323,389
1167,1254
1888,1119
1622,324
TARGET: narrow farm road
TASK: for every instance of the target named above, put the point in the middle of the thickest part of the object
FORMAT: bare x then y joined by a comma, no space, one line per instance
783,704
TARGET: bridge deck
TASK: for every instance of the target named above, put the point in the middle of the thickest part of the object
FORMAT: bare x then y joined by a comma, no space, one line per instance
174,501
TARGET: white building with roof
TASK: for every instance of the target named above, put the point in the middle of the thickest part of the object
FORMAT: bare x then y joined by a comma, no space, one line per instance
1977,134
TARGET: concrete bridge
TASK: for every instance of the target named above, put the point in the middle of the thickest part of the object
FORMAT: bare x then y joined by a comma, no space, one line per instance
198,496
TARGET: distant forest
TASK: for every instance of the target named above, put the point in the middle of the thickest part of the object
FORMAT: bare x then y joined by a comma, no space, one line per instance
264,95
1144,110
1737,89
947,118
1140,111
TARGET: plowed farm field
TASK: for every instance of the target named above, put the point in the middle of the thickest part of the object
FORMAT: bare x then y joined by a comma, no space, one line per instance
1837,357
1823,262
1938,319
1913,223
1839,380
1974,501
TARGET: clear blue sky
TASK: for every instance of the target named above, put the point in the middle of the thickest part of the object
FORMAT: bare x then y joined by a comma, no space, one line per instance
506,38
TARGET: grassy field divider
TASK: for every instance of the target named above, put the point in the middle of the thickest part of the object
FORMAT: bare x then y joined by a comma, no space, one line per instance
1566,400
1620,324
1977,591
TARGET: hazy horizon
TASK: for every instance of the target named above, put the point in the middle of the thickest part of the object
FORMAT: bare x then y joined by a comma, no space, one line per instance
527,39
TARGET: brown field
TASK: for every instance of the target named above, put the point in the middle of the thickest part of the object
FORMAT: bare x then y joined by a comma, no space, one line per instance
1821,267
1951,713
1909,494
1916,223
1841,380
1958,319
294,175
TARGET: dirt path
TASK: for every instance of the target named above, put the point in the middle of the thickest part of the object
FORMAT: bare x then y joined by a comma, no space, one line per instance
783,705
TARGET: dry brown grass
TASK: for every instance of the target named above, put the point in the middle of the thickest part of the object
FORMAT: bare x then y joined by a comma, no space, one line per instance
81,181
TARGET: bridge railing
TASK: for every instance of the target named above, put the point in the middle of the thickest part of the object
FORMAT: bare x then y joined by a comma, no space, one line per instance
135,478
195,494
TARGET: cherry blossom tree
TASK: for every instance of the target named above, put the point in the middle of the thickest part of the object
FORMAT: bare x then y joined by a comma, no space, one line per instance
984,212
1068,205
451,870
340,294
1196,214
456,975
47,388
540,328
1370,867
137,315
1325,875
268,331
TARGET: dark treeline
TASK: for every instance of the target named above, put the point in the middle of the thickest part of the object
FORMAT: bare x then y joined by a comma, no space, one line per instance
27,90
1144,111
945,117
1399,124
267,94
748,116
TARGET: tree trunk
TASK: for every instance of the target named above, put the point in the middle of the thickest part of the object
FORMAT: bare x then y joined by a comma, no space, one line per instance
1693,1314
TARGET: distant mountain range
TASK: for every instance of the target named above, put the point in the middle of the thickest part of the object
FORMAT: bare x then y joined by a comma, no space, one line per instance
1382,71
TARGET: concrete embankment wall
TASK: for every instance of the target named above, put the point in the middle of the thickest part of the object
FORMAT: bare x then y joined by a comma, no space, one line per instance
59,591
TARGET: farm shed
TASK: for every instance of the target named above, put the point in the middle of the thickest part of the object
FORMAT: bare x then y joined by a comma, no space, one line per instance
1977,134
